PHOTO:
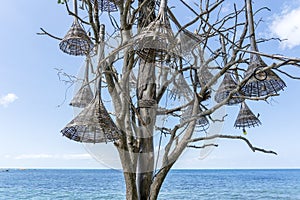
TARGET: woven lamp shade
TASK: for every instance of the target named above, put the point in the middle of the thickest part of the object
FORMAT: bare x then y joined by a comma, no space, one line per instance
92,125
156,42
246,118
107,5
76,42
188,42
83,97
180,89
261,83
227,85
202,123
204,75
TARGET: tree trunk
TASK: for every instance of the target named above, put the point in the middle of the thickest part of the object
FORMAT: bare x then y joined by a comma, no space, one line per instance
147,112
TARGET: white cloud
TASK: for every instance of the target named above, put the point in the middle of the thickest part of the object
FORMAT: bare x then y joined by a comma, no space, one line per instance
53,156
286,26
7,99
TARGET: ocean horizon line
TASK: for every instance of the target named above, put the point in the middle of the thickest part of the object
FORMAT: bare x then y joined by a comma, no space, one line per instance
176,169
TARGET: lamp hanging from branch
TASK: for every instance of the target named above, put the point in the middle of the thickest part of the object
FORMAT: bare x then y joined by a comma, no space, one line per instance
262,82
226,86
76,42
202,123
246,118
84,95
180,89
156,42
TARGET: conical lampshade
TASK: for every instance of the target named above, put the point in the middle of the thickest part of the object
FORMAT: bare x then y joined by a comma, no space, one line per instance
202,122
246,118
227,85
204,75
92,125
157,42
180,89
76,42
261,83
84,95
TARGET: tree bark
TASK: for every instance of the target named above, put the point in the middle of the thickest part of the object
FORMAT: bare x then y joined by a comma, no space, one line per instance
147,112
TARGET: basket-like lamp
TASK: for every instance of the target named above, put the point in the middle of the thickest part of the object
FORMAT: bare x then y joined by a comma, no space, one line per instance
76,42
246,118
156,42
84,95
226,86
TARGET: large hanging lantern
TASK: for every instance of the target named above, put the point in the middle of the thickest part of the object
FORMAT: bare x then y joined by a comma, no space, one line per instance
76,42
246,118
92,125
262,82
84,95
227,85
156,42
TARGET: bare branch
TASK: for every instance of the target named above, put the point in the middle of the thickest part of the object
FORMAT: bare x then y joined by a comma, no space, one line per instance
253,148
202,147
46,33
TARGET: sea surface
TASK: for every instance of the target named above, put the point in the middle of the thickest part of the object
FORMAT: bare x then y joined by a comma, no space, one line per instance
180,184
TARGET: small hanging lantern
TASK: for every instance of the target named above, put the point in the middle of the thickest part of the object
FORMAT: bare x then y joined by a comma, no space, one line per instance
156,42
227,85
202,123
76,42
84,95
246,118
107,5
204,75
180,89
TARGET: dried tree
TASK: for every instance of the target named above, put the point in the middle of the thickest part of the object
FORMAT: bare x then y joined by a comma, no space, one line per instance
185,72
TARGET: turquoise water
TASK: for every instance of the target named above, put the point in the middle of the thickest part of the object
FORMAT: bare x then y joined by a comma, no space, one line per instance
180,184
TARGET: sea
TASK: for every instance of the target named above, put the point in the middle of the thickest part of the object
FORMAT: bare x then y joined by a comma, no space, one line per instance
35,184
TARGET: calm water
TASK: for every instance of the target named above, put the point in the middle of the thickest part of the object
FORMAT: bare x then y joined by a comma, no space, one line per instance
180,184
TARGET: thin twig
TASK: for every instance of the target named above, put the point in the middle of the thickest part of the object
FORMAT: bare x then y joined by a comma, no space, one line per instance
50,35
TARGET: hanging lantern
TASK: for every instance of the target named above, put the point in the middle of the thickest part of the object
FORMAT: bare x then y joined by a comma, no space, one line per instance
92,125
246,118
156,42
261,83
202,123
107,5
84,95
180,89
204,75
227,85
76,42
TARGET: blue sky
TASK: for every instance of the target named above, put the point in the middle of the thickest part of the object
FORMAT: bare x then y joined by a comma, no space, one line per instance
30,95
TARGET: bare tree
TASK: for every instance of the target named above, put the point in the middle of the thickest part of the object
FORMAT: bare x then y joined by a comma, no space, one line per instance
166,78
